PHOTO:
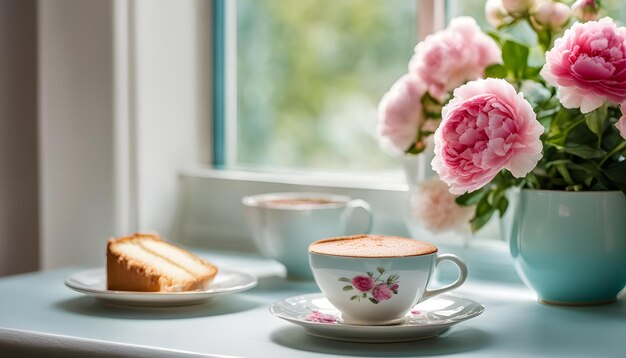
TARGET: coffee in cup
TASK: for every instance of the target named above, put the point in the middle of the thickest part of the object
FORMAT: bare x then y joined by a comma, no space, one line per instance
283,225
298,202
377,279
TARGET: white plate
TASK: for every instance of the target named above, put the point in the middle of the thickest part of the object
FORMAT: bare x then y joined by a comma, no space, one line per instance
426,320
93,283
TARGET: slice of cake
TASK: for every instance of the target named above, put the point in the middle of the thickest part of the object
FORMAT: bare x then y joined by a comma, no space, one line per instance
145,262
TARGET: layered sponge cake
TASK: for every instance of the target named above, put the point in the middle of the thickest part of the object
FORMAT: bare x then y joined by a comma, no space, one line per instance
145,262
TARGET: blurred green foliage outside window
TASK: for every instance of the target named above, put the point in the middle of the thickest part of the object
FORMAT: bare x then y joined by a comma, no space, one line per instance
310,74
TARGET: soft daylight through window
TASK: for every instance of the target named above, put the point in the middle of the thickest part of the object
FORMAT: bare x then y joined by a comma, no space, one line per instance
310,74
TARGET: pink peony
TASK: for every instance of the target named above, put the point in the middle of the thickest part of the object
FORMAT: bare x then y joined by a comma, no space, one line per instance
588,65
400,114
487,126
621,123
382,292
434,206
449,58
394,287
363,283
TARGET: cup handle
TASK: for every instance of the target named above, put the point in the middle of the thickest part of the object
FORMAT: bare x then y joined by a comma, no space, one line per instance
347,213
459,281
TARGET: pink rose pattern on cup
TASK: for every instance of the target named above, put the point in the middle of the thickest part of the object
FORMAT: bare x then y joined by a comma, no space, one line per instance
373,287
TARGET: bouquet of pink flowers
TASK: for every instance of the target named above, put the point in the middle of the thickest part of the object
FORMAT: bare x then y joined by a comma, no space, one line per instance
502,114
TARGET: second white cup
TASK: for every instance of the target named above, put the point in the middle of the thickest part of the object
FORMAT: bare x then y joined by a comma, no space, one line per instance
283,225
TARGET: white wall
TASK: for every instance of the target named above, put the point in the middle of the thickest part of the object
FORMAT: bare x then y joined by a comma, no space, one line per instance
125,103
19,219
172,72
76,130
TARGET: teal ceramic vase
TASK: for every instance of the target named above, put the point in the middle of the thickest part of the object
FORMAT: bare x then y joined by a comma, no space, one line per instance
570,247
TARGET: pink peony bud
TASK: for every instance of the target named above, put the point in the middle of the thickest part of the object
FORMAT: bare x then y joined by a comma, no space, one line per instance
518,7
552,15
588,65
586,10
400,114
495,13
486,127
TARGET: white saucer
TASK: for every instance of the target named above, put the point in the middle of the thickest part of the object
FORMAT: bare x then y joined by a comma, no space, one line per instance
427,319
93,283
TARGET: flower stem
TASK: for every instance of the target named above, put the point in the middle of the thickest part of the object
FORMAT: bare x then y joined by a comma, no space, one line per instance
617,148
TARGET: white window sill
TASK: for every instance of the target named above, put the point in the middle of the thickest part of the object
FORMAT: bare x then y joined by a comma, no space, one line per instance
210,213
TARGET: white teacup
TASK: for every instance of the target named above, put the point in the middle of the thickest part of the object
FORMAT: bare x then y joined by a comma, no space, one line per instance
376,280
285,224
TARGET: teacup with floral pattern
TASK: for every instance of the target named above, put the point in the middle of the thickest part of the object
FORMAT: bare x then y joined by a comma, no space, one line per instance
376,279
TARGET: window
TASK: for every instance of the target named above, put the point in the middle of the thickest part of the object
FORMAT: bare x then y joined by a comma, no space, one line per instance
307,76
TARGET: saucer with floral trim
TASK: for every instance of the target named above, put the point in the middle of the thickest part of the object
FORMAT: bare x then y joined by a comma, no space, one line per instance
428,319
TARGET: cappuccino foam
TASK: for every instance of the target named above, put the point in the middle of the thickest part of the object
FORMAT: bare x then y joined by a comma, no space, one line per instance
376,246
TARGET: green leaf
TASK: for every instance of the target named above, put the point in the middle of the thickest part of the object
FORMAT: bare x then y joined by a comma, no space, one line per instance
495,71
354,297
532,72
344,279
595,121
478,222
557,162
617,173
392,279
503,204
483,206
562,169
370,274
584,151
380,269
484,211
469,199
415,149
373,300
515,58
347,288
495,36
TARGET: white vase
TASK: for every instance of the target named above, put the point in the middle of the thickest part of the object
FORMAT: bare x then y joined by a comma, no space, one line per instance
427,216
485,251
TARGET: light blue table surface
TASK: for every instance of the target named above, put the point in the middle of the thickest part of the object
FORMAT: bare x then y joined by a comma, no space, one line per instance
39,315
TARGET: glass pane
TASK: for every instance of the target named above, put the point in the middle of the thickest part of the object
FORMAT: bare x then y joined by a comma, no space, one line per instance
473,8
310,74
476,9
614,9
